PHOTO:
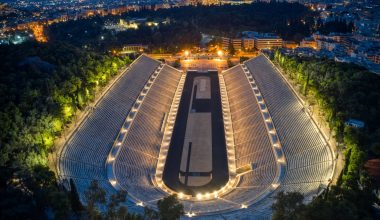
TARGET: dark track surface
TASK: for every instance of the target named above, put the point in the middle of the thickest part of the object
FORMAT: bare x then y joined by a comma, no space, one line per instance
219,154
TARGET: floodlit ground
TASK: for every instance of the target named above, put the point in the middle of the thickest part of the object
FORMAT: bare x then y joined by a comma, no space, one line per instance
203,64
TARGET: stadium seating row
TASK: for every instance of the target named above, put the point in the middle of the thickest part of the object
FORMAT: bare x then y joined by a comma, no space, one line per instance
309,161
136,163
85,153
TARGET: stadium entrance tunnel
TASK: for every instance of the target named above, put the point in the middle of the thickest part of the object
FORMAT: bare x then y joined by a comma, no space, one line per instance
197,157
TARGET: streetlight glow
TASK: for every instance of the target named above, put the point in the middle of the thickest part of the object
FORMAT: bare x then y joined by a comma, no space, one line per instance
220,53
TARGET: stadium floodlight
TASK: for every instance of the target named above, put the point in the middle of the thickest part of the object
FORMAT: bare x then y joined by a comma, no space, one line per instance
215,194
222,190
140,204
118,144
180,195
230,167
243,206
199,196
207,195
113,182
111,158
230,184
275,185
190,214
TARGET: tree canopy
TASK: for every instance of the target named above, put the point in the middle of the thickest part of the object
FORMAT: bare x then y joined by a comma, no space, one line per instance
170,208
42,87
341,91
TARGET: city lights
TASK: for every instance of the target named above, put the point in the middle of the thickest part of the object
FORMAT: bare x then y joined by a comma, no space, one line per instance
38,32
218,118
220,53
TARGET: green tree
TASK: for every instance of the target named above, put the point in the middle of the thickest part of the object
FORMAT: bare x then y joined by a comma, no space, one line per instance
341,91
170,208
94,196
76,204
177,63
60,203
150,214
114,207
287,206
46,193
122,212
42,87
